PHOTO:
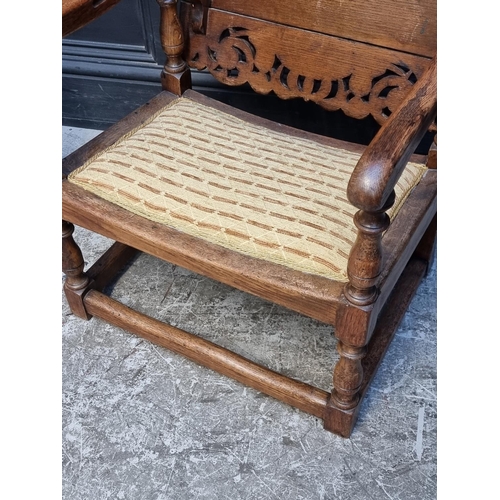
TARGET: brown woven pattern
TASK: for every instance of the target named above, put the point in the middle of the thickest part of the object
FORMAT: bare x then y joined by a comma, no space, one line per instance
242,186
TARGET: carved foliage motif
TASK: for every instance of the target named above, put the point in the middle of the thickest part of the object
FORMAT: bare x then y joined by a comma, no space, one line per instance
232,59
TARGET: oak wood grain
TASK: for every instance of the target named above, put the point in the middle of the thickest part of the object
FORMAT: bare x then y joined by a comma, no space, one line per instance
339,420
303,396
383,161
334,72
410,26
78,13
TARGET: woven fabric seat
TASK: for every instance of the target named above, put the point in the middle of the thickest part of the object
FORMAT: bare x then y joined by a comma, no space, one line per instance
248,188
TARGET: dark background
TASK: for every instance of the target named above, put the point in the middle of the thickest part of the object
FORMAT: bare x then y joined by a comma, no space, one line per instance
112,66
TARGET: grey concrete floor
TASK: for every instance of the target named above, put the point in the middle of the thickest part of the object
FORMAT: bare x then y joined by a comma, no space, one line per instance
140,422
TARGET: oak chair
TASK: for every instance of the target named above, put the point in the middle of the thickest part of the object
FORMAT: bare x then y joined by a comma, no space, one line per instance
337,231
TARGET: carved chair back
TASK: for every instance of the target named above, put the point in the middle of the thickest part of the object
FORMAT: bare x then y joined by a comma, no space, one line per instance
358,56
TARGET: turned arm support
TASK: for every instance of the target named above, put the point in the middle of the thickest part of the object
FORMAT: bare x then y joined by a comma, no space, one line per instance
371,186
175,77
385,158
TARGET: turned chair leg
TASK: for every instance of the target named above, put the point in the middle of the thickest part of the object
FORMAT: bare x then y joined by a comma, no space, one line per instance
343,405
347,376
77,282
354,320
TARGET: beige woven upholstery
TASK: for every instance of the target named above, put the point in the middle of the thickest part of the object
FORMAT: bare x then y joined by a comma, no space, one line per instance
242,186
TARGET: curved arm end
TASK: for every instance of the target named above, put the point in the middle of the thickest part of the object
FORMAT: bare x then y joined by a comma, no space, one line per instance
385,158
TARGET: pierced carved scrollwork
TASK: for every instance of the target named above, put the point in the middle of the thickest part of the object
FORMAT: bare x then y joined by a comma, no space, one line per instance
233,60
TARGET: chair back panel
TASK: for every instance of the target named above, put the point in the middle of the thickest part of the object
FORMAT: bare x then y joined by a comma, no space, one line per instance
337,72
406,25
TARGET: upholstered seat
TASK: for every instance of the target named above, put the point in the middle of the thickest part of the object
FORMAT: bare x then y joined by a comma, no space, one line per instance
246,187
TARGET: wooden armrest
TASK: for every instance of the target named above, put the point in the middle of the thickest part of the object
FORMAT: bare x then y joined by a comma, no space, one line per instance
78,13
385,158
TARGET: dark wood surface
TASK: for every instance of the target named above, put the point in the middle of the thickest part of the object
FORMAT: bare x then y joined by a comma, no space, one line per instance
383,161
387,260
304,396
78,13
336,73
409,26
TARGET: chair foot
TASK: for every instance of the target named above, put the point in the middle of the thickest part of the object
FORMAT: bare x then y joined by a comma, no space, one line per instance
338,420
342,405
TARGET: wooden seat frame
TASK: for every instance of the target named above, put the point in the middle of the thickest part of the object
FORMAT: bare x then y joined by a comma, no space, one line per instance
385,266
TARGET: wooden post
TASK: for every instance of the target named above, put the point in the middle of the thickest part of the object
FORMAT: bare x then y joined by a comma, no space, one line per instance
176,76
77,282
353,328
365,259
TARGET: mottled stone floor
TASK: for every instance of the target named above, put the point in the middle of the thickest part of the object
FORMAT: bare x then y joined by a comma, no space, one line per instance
140,422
